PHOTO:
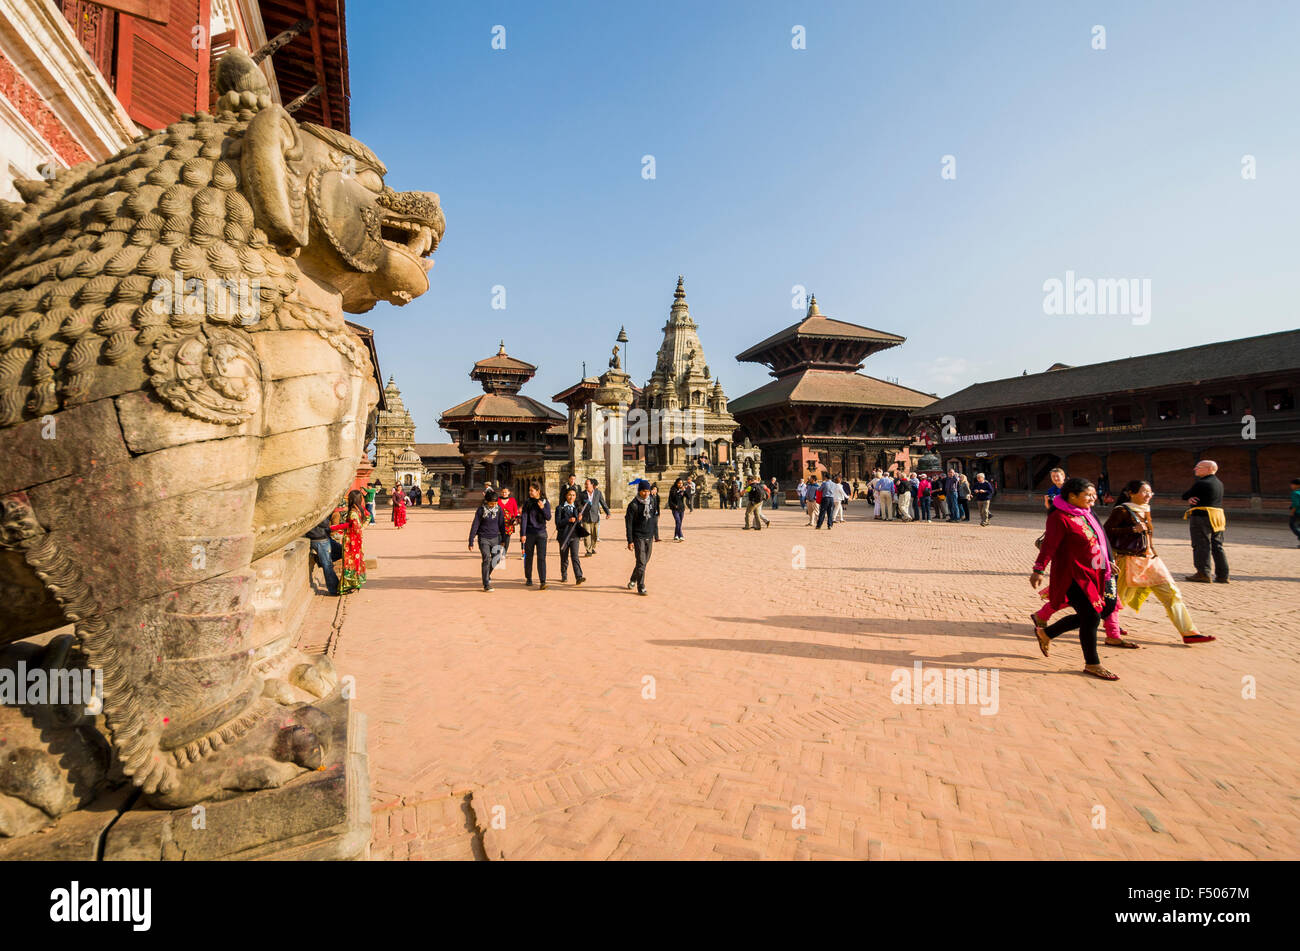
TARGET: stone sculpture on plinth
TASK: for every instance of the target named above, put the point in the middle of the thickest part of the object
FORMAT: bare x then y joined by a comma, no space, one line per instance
180,400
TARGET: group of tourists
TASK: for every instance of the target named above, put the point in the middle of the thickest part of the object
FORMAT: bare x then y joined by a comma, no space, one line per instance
903,496
823,499
576,522
1096,568
730,489
916,497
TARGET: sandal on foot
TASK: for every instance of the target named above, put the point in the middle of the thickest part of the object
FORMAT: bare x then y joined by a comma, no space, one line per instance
1100,672
1198,638
1119,642
1040,632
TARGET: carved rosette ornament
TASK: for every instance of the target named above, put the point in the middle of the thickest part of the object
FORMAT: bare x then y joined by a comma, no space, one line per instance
212,374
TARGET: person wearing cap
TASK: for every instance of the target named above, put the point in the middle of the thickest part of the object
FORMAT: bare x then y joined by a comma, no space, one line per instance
488,529
640,522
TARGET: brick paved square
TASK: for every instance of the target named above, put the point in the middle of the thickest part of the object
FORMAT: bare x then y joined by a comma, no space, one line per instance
517,724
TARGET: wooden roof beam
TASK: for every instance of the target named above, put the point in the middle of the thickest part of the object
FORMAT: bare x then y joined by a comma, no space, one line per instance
270,48
319,59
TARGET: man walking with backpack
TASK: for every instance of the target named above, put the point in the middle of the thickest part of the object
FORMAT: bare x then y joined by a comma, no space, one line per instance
755,496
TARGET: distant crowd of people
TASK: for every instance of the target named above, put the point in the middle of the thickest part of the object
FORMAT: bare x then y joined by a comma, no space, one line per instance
1092,568
905,496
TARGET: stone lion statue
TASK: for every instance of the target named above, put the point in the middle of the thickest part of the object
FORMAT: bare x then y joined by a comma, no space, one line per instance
179,398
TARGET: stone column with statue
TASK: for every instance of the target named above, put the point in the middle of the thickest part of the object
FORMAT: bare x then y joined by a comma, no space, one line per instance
613,396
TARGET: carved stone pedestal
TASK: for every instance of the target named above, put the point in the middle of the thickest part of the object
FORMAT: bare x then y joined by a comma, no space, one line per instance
324,814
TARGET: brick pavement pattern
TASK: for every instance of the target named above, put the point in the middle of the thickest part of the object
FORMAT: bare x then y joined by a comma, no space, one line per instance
523,724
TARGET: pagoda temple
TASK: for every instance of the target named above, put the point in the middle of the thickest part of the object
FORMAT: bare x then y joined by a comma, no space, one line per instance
500,430
820,415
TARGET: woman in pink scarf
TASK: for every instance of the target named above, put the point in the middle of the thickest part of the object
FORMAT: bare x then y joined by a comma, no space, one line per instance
1082,573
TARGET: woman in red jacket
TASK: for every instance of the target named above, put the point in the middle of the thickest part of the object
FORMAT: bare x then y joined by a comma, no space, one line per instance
1082,572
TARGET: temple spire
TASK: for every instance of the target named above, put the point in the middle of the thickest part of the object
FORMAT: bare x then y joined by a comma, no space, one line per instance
501,351
680,293
813,310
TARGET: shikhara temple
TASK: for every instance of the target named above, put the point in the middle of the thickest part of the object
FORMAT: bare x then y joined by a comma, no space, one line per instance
820,415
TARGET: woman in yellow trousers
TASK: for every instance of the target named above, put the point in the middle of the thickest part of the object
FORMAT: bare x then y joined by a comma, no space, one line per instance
1141,571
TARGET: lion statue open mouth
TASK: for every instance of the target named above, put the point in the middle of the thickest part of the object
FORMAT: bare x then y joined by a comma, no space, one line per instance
180,397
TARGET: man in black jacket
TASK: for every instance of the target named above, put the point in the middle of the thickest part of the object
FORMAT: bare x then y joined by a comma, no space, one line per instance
1206,522
594,500
488,529
640,522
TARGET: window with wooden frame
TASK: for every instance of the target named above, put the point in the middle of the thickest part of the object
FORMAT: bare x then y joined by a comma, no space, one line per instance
163,68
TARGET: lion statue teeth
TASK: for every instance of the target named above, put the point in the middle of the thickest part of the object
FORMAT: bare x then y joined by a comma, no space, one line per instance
180,397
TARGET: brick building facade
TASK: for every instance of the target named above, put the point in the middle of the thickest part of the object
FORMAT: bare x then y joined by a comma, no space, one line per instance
1148,417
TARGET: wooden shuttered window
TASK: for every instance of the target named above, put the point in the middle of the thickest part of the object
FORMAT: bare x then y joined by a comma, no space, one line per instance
160,72
220,44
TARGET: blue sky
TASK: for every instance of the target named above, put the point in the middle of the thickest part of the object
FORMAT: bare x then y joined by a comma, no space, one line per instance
820,167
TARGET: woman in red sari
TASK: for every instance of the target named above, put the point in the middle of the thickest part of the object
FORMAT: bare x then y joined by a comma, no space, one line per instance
354,560
1082,572
399,507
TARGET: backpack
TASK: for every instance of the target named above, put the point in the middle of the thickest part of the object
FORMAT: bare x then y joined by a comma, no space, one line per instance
756,493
